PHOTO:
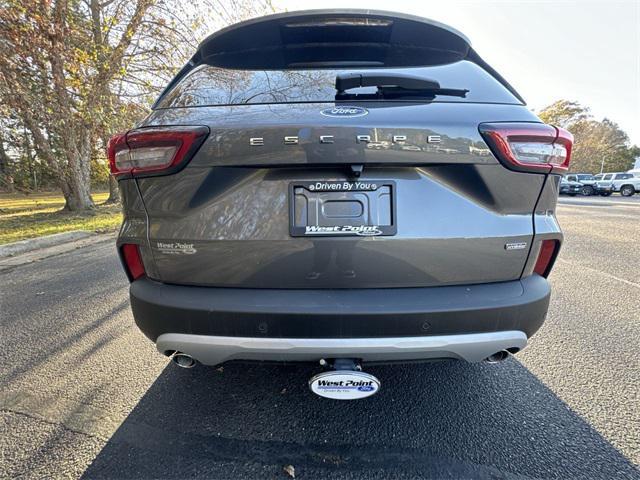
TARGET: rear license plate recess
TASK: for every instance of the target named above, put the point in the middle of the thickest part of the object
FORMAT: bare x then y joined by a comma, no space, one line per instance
342,208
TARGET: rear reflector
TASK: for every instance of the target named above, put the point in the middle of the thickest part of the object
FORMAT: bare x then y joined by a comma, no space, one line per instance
132,261
529,147
546,257
154,150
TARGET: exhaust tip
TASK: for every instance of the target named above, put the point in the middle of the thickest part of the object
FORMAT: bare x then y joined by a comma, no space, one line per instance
497,357
183,360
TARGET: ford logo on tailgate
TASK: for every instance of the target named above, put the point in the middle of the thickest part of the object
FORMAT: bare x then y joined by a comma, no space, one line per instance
344,111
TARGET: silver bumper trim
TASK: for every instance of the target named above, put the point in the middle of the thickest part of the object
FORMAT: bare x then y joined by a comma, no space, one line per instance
211,350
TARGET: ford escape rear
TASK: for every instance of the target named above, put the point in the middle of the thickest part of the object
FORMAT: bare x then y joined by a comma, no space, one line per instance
328,185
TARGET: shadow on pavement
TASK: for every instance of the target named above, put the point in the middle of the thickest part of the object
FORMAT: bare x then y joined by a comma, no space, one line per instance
444,420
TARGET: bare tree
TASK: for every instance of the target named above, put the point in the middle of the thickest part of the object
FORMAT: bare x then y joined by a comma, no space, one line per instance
68,68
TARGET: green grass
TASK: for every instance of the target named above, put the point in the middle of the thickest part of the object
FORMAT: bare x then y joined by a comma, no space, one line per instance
28,216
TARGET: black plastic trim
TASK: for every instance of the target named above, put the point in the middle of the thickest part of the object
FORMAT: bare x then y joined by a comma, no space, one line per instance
359,313
208,47
473,56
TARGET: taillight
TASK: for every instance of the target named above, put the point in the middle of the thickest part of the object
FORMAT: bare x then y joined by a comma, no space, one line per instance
546,257
529,147
132,260
154,150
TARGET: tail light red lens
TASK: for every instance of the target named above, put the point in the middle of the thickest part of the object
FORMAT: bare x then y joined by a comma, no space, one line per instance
529,147
132,260
154,150
546,257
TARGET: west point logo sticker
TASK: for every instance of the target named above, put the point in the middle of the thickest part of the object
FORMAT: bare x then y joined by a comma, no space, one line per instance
359,230
176,248
344,385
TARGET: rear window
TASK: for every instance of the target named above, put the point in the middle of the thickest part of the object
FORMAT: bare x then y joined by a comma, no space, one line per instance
585,177
207,85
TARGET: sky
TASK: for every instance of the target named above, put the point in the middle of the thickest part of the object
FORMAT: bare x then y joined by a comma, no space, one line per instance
587,51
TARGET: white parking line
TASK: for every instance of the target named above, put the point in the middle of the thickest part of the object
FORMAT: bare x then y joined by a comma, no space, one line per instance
597,203
608,275
594,213
598,210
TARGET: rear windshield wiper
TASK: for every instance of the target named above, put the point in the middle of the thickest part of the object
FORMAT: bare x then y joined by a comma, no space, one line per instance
392,85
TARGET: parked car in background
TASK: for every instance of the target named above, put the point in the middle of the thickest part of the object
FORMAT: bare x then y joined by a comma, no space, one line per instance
587,180
624,183
570,187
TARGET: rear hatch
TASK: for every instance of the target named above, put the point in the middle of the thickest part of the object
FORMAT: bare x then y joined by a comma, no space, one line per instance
298,185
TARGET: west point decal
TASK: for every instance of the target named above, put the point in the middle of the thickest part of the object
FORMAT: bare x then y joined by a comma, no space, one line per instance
344,385
361,230
176,248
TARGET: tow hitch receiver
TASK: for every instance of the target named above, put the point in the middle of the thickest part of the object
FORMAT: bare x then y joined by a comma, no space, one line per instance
345,381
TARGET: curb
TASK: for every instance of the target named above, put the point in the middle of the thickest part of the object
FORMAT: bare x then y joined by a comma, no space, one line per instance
24,246
9,263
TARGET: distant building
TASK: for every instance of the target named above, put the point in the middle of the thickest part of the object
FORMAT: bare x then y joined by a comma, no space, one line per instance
636,168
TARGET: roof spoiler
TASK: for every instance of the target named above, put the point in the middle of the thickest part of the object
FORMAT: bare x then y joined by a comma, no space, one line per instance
344,38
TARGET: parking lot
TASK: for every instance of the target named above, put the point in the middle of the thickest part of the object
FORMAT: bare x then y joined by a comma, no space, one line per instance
83,393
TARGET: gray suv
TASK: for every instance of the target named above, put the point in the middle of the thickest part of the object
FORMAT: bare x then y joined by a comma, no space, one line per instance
341,187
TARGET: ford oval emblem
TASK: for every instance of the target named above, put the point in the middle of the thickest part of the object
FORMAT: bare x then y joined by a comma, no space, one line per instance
344,111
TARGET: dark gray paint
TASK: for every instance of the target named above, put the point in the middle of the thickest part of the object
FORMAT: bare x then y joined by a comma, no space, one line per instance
546,226
233,126
135,224
457,205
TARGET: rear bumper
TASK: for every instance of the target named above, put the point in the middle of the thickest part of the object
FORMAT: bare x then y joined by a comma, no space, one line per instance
396,323
211,350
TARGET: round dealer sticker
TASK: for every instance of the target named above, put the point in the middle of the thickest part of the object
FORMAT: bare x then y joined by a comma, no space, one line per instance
344,385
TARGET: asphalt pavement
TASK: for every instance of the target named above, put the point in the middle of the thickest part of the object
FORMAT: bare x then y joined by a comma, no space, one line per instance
84,394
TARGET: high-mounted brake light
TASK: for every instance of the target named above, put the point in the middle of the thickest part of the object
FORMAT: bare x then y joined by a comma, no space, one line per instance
529,147
154,150
132,260
546,257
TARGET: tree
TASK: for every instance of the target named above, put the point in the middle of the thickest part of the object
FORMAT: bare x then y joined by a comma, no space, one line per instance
6,163
67,66
6,177
51,79
564,113
597,143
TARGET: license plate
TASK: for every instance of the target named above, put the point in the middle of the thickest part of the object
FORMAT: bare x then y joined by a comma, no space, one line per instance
342,208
